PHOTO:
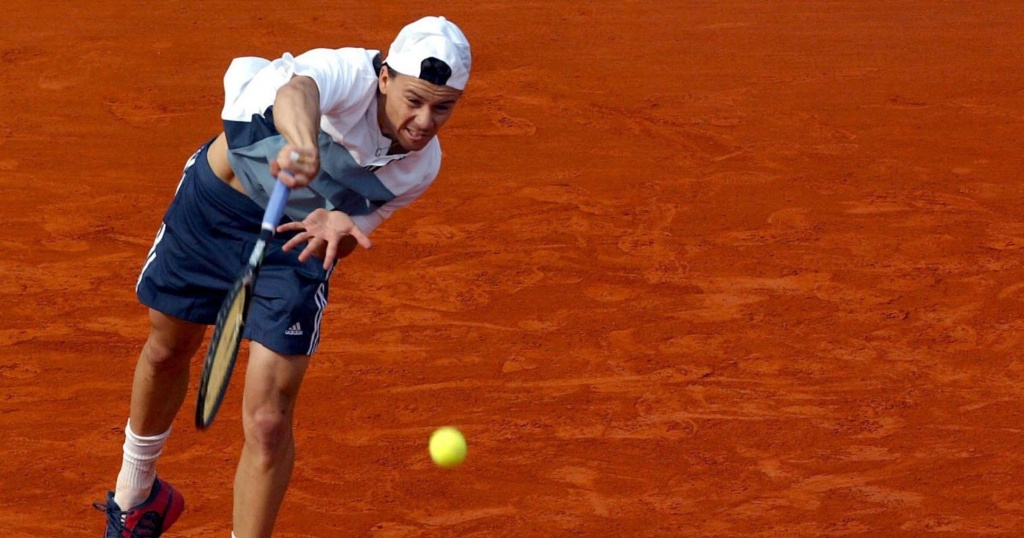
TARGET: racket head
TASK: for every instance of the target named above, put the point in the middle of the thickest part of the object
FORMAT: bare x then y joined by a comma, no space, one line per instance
223,350
227,333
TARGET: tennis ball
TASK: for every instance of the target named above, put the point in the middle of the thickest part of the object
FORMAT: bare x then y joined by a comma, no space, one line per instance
447,447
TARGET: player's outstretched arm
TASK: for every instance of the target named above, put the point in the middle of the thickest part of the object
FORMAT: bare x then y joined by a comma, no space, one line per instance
297,118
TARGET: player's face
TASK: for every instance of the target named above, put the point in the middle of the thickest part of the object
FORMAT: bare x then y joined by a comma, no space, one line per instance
414,109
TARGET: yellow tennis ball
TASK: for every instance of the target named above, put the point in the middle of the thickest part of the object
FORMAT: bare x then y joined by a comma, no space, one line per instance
447,447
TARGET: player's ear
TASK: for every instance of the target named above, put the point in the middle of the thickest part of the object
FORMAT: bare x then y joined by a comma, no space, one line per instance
383,80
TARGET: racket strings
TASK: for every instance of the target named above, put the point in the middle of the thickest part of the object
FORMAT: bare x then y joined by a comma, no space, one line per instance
222,354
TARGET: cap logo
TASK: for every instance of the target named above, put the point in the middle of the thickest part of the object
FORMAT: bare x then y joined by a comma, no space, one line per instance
435,71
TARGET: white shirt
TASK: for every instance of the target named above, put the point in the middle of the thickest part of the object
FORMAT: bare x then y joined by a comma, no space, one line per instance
347,82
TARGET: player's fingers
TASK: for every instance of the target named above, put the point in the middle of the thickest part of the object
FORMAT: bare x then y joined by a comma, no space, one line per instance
301,158
291,227
288,157
288,179
297,179
306,253
295,241
360,238
330,254
303,164
314,247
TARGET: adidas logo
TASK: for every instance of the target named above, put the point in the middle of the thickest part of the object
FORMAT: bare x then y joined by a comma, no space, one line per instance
294,330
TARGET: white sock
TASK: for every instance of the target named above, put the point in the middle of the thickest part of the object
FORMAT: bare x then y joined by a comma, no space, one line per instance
138,467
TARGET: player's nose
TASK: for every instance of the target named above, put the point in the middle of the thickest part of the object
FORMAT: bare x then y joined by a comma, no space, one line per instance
423,120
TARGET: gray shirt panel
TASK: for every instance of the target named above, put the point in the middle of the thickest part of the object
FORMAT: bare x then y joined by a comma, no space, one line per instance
341,185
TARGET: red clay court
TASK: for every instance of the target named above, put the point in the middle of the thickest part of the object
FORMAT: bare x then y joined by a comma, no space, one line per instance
709,269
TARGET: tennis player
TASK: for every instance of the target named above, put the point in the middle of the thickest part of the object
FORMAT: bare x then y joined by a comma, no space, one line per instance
355,138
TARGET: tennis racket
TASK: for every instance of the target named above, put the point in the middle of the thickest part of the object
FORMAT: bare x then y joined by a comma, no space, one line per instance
227,333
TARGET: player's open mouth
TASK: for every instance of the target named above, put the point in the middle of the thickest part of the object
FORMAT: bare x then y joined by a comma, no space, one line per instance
417,136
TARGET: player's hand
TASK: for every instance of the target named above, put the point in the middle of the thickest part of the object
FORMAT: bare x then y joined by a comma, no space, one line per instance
323,232
295,166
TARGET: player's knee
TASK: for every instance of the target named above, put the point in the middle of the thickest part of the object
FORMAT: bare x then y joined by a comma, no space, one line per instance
166,355
268,431
171,342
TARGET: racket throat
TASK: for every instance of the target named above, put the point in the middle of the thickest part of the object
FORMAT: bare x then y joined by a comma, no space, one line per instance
256,258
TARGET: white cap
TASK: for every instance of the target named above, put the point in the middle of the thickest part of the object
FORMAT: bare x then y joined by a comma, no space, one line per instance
432,49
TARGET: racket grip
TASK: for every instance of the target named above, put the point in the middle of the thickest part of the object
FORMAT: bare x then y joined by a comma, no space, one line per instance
275,207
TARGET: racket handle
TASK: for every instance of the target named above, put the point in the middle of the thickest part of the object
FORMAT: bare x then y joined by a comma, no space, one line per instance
275,207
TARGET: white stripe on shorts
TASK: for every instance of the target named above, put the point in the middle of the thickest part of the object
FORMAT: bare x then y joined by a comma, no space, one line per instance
321,303
160,233
188,164
151,256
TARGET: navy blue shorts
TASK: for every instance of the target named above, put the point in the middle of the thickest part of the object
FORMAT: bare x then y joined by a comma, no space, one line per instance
208,232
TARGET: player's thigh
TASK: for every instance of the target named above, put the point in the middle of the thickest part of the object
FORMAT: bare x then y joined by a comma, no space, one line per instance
272,382
172,339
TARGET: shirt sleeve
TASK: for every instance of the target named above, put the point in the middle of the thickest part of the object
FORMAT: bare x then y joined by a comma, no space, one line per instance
428,171
345,79
342,76
251,84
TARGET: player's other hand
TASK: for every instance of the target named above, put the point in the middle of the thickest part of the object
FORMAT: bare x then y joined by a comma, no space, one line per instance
295,166
324,233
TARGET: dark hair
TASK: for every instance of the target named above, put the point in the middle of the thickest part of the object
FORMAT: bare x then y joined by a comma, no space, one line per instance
431,70
391,73
377,63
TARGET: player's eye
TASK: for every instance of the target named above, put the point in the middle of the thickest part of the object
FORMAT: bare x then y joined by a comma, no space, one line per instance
444,107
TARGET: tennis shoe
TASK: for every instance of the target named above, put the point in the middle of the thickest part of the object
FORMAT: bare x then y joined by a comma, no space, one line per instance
147,520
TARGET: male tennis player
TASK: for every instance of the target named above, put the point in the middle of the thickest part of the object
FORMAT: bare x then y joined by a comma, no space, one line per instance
356,139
